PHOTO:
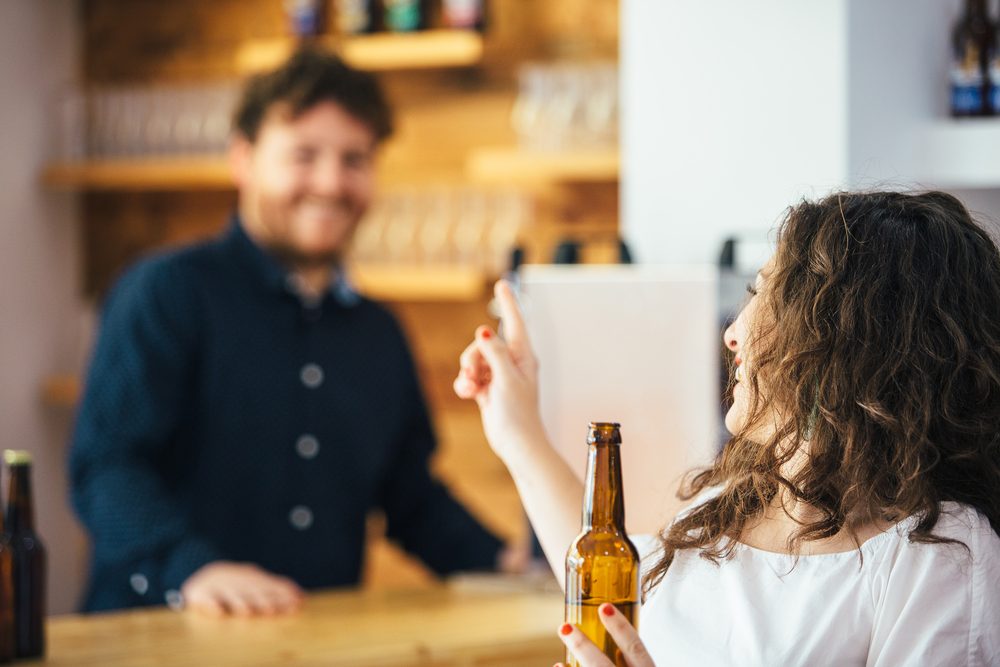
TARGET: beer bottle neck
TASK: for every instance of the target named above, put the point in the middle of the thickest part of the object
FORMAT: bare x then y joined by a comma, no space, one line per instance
20,512
603,504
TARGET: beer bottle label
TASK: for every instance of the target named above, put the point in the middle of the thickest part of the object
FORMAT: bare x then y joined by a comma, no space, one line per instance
967,82
305,16
402,15
995,84
462,13
353,16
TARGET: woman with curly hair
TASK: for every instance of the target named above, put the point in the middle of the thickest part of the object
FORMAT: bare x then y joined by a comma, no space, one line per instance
853,518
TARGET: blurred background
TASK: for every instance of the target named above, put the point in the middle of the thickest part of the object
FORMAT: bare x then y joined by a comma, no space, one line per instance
526,130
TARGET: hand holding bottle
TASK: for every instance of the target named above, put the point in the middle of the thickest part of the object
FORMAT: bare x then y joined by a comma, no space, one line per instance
633,653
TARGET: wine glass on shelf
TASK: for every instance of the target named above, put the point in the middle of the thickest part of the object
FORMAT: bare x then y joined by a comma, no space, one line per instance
527,116
601,104
368,240
435,231
470,226
401,227
188,120
511,214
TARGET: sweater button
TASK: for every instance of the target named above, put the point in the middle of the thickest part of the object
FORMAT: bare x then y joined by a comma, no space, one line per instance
139,583
174,599
301,517
307,446
311,375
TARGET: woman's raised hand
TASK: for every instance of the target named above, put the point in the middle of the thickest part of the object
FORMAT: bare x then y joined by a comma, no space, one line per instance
502,376
625,636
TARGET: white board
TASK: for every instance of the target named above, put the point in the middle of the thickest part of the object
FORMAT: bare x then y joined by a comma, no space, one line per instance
638,345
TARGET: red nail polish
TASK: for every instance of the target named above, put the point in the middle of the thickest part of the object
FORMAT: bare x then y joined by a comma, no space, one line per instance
608,609
565,629
486,334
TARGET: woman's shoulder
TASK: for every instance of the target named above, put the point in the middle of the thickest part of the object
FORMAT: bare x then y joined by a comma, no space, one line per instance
958,519
944,588
960,557
958,525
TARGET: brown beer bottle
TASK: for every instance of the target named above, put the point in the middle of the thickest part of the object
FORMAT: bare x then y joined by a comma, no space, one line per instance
6,597
971,44
28,561
602,564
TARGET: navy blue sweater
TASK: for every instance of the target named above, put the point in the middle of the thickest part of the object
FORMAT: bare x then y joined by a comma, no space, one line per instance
223,418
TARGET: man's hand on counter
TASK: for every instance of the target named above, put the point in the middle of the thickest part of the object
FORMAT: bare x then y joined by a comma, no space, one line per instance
224,588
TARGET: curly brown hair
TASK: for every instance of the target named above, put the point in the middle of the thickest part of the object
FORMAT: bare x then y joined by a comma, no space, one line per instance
878,343
312,75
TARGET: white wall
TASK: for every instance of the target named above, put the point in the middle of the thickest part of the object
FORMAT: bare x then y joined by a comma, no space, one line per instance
732,110
41,314
900,130
898,74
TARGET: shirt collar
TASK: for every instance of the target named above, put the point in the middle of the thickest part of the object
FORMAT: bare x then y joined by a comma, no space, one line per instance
273,273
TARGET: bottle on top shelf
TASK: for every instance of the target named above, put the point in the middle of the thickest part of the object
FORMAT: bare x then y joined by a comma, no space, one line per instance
994,71
306,18
973,43
404,15
359,17
356,17
464,14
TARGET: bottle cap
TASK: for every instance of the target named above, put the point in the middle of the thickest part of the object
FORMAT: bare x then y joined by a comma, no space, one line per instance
604,432
17,457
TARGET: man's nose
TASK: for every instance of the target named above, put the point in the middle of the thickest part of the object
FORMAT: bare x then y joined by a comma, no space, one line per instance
329,178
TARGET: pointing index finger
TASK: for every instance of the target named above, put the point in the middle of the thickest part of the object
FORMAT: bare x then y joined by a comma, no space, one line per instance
514,329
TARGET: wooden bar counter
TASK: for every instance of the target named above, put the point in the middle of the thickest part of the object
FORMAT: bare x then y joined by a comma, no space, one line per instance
466,625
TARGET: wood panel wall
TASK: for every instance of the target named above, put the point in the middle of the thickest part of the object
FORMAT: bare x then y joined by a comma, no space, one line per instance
442,116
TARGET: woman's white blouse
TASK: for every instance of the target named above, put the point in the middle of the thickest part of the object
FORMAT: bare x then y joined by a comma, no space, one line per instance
904,604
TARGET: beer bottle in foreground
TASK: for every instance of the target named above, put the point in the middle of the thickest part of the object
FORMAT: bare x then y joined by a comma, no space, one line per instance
6,597
29,559
602,564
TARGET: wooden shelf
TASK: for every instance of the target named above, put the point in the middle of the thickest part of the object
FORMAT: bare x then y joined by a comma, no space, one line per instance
210,172
390,282
427,49
521,166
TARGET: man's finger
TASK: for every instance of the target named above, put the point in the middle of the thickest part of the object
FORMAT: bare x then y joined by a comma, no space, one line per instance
287,604
236,603
204,604
288,587
283,595
263,602
584,650
625,636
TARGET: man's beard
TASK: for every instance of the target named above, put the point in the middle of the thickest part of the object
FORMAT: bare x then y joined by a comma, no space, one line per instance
293,258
